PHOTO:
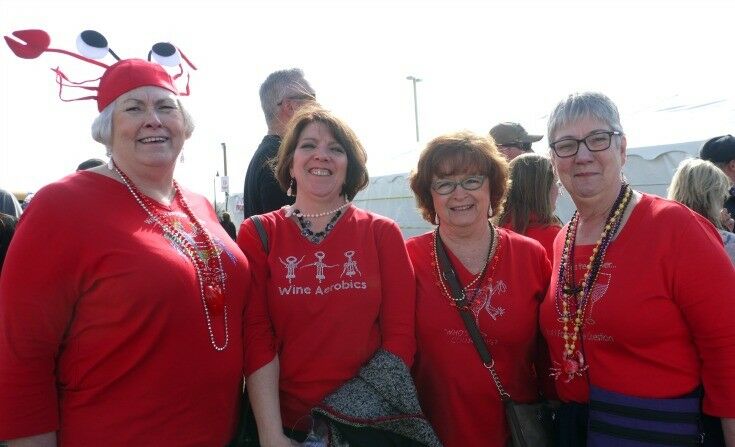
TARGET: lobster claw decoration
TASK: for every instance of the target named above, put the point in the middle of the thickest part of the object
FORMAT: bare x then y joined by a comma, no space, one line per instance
31,43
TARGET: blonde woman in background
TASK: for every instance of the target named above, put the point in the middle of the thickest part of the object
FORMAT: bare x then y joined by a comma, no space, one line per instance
702,186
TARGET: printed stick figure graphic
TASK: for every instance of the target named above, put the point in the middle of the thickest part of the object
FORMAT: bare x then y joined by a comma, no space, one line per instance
320,265
290,265
350,267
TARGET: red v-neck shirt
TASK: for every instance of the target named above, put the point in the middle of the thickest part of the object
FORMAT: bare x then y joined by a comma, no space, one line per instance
456,391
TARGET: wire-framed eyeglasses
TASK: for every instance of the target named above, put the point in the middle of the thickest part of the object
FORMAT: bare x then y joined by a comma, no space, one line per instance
444,186
595,142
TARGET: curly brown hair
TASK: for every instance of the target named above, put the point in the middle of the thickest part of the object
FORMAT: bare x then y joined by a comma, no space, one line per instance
459,153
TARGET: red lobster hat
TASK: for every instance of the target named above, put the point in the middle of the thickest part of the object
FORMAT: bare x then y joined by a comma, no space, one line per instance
119,78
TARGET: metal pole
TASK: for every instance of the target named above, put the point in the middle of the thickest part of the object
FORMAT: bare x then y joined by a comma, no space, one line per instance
414,80
216,176
227,192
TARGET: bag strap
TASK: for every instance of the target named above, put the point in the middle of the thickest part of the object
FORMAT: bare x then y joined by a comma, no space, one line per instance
469,319
261,231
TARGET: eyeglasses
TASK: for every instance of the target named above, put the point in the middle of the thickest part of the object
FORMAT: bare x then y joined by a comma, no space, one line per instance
595,142
303,97
446,186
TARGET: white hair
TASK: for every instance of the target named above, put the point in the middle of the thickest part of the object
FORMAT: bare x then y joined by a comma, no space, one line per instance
102,125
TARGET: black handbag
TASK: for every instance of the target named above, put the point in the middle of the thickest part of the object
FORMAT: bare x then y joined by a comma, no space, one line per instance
530,425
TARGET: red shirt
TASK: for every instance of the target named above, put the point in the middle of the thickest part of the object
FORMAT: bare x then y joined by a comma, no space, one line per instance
662,318
326,308
103,336
456,391
544,233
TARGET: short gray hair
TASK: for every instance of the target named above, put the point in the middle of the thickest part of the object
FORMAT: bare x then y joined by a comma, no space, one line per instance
280,84
583,105
102,125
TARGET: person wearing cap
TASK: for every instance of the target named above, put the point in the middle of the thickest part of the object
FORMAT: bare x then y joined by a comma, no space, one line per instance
281,95
89,164
721,151
512,139
121,297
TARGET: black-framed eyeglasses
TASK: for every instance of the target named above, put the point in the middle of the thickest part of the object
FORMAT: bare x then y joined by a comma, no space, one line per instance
444,186
595,142
301,97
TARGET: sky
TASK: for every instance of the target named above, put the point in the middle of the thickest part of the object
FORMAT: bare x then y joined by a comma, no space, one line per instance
667,64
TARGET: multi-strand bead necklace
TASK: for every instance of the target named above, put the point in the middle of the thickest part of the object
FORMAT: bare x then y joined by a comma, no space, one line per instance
210,274
487,270
574,298
306,224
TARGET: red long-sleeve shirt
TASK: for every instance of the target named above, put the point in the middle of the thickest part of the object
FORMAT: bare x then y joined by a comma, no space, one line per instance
326,308
103,336
662,314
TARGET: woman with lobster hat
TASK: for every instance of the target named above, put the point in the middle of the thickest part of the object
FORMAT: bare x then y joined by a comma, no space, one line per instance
121,298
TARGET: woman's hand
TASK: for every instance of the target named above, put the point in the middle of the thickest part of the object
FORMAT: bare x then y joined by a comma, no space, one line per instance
727,220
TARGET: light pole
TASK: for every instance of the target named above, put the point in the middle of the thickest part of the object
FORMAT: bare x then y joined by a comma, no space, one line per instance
216,176
227,189
414,80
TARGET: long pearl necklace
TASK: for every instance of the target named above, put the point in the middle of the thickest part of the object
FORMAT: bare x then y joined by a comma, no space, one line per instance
569,294
298,212
211,277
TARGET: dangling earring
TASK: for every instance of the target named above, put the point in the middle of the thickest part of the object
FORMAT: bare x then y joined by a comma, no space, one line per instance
181,157
110,163
289,192
490,211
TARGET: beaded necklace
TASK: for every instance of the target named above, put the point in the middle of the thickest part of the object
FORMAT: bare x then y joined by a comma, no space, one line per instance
298,213
490,263
570,295
210,274
306,226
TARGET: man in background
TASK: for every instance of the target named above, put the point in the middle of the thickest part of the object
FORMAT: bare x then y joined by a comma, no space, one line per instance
281,95
89,164
512,139
9,204
721,151
226,222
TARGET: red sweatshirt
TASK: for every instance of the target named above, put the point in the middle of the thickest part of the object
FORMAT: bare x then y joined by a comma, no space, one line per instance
326,308
662,316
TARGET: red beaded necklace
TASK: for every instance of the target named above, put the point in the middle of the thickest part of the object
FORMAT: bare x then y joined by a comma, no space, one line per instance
209,271
487,271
